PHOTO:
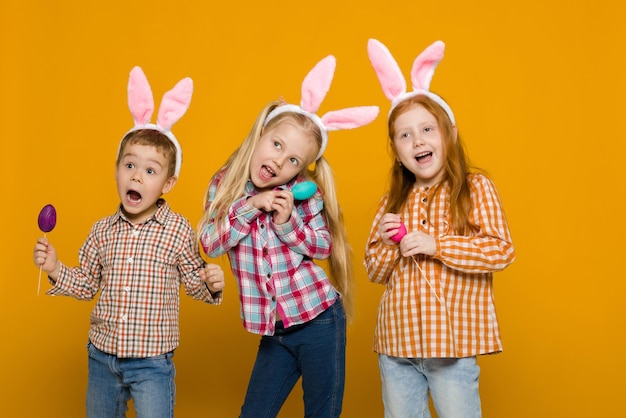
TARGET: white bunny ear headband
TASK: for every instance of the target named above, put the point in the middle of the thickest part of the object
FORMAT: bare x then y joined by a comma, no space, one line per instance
173,106
392,80
314,89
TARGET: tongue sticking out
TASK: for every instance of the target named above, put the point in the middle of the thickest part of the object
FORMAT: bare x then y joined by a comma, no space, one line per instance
266,174
134,196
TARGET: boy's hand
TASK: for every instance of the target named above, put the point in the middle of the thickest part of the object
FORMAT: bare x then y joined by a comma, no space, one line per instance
214,277
45,256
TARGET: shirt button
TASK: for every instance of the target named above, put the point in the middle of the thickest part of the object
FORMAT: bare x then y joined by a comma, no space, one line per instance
262,226
126,288
130,260
423,221
124,318
135,233
269,275
264,251
424,200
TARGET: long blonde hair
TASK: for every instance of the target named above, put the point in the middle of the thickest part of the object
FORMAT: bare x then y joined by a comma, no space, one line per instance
456,167
236,173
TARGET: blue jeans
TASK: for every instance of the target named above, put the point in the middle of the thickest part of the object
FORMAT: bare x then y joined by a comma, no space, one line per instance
114,381
452,383
316,351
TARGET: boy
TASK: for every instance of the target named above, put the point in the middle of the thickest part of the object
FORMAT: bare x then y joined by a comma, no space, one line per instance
137,259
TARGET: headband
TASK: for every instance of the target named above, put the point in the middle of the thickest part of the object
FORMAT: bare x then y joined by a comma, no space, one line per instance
173,106
393,82
314,88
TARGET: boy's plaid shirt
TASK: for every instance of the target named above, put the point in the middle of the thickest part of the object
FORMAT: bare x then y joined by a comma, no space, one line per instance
138,270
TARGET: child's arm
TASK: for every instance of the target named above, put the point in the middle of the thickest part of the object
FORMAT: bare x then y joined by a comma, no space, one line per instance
220,234
381,253
303,230
80,282
488,250
201,282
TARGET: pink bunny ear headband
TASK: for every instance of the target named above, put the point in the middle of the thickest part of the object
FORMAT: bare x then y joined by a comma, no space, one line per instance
173,106
314,89
392,80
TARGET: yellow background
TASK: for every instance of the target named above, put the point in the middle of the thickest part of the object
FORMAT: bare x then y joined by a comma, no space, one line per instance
538,91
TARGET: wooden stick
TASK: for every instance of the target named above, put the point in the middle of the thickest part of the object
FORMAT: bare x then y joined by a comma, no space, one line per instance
39,279
426,278
449,323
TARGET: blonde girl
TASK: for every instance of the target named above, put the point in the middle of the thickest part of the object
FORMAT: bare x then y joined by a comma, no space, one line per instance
272,240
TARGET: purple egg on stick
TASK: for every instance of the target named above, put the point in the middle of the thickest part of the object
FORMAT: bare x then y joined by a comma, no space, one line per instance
47,221
47,218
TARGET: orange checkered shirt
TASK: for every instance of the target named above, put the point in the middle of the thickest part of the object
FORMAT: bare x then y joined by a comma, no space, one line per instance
448,311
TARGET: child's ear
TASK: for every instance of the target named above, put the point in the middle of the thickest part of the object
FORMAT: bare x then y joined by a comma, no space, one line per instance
169,184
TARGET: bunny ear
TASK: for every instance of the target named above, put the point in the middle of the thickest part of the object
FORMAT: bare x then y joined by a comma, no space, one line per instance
387,69
425,64
349,118
316,84
140,99
175,103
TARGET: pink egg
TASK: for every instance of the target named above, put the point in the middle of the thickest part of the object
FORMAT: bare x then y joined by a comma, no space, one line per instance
401,232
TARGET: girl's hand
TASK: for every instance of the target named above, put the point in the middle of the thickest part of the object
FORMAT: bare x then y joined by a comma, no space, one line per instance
263,201
213,276
388,227
282,206
417,243
45,256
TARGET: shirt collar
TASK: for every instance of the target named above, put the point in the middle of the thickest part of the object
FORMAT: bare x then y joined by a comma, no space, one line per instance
161,215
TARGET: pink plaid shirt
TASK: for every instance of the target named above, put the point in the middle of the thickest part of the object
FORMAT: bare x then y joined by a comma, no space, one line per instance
138,270
273,264
457,316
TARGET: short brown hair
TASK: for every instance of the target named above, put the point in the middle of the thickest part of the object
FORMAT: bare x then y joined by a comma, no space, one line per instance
154,138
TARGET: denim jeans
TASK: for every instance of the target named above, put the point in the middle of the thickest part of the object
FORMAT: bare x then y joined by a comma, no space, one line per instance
316,351
114,381
452,383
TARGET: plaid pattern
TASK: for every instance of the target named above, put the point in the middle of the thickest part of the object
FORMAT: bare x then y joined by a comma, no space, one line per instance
412,322
138,270
273,264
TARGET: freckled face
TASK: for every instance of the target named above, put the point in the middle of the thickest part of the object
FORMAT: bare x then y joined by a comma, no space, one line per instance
419,145
281,154
142,177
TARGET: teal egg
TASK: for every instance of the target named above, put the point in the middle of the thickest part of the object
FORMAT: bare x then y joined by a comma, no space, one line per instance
304,190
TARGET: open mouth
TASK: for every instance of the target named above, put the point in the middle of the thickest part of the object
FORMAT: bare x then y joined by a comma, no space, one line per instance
266,173
133,196
424,156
